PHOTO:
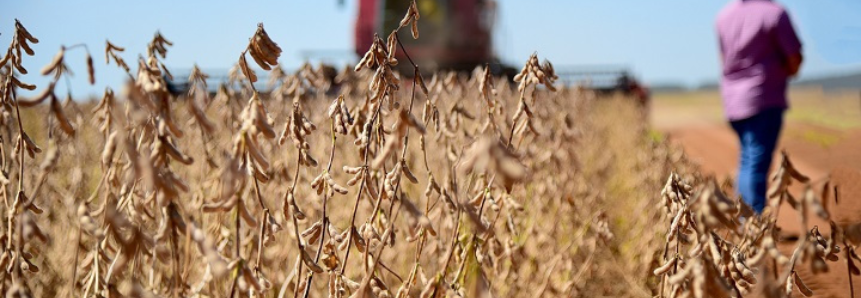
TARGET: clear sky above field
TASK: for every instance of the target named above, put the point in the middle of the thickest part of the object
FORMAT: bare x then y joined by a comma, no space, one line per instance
662,40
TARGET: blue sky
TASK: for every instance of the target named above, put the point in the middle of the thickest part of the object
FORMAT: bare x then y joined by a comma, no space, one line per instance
661,40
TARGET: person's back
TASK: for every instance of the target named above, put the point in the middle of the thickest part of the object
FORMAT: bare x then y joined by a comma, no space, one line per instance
759,52
756,41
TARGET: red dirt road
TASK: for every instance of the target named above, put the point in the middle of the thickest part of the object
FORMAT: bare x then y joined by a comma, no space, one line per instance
714,146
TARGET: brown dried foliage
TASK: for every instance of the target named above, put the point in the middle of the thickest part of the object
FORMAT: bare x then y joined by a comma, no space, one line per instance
445,203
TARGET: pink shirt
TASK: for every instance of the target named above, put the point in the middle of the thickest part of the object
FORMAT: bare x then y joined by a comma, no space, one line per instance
756,37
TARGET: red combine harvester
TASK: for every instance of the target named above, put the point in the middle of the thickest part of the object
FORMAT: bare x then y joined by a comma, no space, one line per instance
458,35
455,34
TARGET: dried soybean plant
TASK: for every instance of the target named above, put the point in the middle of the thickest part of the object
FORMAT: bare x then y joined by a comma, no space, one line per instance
57,68
531,74
745,260
22,234
441,204
197,95
138,189
112,52
248,161
383,88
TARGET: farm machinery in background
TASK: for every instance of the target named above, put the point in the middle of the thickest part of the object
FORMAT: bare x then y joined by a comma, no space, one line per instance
605,81
456,35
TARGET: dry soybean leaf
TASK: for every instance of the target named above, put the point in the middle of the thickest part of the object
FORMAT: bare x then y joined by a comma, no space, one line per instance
415,30
110,148
409,174
248,72
200,116
24,32
56,62
30,146
258,58
263,46
306,258
39,98
22,84
407,17
63,121
666,267
109,47
801,286
91,71
313,233
6,58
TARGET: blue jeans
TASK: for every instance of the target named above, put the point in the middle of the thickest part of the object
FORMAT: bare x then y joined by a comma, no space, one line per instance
758,137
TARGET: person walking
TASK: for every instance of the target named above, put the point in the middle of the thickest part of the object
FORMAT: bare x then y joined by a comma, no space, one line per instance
760,51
